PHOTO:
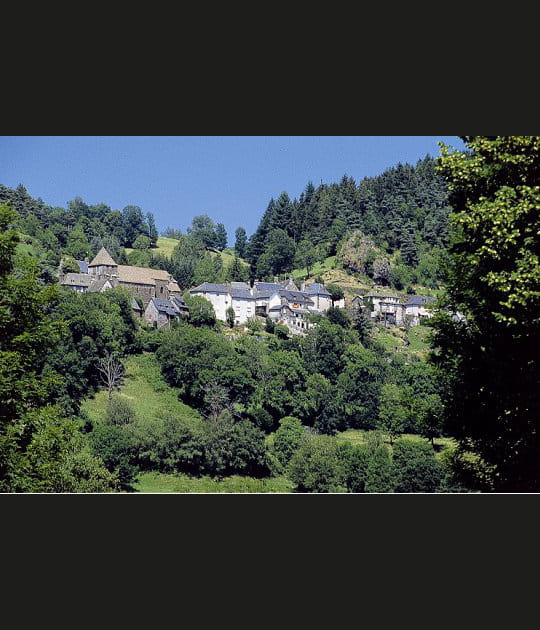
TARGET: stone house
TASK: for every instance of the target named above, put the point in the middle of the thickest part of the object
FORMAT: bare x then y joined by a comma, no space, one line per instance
161,312
103,272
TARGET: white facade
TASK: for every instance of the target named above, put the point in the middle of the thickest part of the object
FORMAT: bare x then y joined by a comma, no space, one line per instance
248,302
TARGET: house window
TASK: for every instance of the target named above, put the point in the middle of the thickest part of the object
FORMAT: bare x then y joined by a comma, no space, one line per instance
161,289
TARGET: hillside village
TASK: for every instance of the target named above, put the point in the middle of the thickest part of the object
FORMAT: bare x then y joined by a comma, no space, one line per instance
157,297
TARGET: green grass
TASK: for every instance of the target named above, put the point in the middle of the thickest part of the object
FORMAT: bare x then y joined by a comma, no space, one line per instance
165,246
418,338
150,396
358,437
318,269
160,482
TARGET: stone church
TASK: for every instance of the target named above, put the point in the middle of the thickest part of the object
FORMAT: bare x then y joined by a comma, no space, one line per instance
103,272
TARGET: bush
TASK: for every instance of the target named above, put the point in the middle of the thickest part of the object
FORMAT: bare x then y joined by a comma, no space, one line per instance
201,311
262,419
230,448
288,438
416,468
281,331
317,467
119,412
116,447
338,316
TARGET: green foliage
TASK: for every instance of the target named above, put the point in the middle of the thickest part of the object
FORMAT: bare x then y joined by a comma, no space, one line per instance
287,439
119,412
316,466
142,242
230,315
380,472
358,387
489,358
240,243
393,412
201,311
69,265
338,316
416,469
323,348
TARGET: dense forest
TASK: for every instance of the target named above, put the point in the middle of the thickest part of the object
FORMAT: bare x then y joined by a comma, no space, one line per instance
350,406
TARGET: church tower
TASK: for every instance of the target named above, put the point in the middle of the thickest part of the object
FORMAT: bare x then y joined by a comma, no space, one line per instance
103,265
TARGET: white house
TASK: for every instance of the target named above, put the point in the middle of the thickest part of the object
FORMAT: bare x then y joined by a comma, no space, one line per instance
265,299
416,309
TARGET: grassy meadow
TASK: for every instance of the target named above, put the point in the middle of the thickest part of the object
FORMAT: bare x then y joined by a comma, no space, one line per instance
160,482
147,392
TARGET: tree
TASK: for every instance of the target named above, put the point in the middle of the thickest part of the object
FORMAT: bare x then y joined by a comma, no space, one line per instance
38,443
111,372
280,251
392,412
203,229
488,356
231,316
306,255
152,229
338,316
336,293
237,272
316,466
142,242
133,224
361,322
201,311
287,439
220,237
240,242
416,468
380,471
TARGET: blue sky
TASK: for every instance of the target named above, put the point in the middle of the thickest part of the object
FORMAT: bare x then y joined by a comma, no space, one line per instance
230,178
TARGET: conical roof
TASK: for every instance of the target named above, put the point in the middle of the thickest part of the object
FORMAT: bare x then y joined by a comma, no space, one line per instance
102,258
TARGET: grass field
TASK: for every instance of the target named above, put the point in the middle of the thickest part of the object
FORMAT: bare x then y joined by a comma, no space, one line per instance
165,246
159,482
358,436
150,396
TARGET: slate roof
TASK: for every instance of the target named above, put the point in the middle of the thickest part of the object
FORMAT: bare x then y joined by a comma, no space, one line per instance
296,296
173,286
102,258
97,284
419,300
242,294
141,275
290,286
316,288
179,303
134,305
83,266
266,289
164,306
77,280
240,285
208,287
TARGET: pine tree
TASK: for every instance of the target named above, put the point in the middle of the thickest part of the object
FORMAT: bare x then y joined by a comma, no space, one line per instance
240,241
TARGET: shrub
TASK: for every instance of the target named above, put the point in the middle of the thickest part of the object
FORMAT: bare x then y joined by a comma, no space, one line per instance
287,439
317,467
119,412
416,468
